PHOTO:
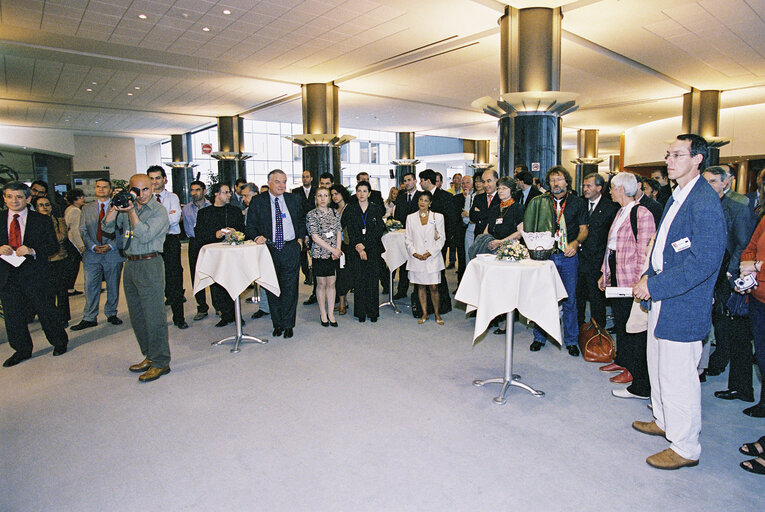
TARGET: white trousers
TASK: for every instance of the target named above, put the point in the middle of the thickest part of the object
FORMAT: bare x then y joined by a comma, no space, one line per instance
675,388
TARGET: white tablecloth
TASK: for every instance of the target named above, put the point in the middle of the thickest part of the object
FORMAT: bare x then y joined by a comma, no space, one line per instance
234,267
494,287
395,253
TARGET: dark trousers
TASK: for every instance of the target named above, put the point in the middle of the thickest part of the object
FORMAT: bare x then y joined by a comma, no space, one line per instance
304,264
459,239
73,266
366,291
718,360
587,290
200,296
42,300
384,274
60,284
222,302
630,348
171,254
757,321
283,308
737,332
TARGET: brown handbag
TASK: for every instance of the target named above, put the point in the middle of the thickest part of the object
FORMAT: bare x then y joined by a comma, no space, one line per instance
596,345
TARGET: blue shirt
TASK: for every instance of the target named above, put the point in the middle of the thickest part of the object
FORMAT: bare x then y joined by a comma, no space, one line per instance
289,229
189,215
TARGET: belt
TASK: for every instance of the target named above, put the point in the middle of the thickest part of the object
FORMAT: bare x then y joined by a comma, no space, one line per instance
136,257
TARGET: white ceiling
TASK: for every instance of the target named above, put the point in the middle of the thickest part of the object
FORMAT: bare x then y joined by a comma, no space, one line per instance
401,65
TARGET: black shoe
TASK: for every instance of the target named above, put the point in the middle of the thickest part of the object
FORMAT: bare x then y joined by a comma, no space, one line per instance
536,345
73,293
114,320
307,281
703,376
333,324
259,314
398,296
15,359
757,411
324,324
223,323
499,330
732,394
373,319
59,350
710,372
181,324
573,350
83,325
277,331
450,266
311,300
288,332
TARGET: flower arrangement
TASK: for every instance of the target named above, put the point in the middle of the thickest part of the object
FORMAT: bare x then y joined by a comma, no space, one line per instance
234,238
512,250
392,224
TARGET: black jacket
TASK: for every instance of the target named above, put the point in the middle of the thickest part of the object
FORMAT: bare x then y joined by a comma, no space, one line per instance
40,236
594,247
259,216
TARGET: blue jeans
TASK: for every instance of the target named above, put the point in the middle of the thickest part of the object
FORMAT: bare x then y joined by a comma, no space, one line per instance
568,270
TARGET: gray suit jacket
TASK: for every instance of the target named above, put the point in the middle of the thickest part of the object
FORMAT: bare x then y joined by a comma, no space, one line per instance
89,232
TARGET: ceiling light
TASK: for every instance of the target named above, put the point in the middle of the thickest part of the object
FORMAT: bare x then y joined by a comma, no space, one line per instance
93,83
89,89
137,88
142,16
130,94
205,29
226,12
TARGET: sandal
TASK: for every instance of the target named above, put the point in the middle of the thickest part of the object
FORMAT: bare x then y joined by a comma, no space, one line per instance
751,448
757,466
439,320
422,320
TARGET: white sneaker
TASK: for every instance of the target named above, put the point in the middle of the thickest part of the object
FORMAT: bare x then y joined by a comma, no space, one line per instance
624,393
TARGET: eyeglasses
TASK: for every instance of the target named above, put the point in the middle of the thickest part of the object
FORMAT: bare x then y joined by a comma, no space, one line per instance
674,155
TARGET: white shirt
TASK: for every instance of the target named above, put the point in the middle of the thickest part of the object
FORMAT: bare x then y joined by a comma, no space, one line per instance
172,204
679,195
623,214
592,205
22,222
287,228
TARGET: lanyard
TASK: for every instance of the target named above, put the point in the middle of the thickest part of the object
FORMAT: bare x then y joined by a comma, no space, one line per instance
503,211
560,213
364,218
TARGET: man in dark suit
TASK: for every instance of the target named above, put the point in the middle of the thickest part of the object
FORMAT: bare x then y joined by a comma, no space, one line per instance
30,236
307,194
479,213
757,197
664,193
442,203
526,189
656,208
600,214
278,219
236,196
406,203
461,203
375,196
679,282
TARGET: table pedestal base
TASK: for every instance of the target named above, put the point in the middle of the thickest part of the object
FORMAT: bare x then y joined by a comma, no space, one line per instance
390,294
239,337
509,379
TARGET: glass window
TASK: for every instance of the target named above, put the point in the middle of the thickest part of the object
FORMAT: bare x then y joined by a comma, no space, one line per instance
374,152
344,154
364,152
274,147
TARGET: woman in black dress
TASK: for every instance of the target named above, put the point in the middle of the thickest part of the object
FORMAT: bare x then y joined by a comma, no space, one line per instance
365,229
505,217
344,280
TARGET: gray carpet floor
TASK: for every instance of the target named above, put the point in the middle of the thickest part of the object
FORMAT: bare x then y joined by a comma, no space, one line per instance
366,417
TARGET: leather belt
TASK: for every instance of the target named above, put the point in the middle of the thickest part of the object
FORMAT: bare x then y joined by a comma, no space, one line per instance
136,257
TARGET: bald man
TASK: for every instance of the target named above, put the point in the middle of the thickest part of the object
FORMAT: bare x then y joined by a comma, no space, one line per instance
145,223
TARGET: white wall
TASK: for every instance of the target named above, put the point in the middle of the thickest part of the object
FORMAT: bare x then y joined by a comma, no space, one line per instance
647,143
53,141
94,153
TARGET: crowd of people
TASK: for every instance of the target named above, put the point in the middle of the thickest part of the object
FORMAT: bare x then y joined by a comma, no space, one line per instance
683,240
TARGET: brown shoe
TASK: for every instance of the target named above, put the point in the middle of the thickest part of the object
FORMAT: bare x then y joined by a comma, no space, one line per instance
154,373
141,367
648,427
669,459
341,310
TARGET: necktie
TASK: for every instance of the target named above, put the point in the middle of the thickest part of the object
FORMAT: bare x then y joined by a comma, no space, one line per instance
490,197
99,233
592,207
409,199
158,199
14,235
279,231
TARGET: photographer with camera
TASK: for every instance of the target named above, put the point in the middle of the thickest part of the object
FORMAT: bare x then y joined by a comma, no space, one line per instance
144,223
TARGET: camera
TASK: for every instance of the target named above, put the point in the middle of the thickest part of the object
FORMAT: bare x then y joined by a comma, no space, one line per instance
122,199
746,282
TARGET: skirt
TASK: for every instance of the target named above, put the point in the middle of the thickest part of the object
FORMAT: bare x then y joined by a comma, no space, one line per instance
324,267
425,277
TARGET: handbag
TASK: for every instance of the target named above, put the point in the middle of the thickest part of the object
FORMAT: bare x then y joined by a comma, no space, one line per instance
738,305
596,345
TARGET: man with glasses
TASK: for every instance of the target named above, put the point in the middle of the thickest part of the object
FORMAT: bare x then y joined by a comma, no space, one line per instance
189,213
679,284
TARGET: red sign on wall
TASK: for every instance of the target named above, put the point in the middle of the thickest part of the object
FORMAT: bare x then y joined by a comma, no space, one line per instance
206,148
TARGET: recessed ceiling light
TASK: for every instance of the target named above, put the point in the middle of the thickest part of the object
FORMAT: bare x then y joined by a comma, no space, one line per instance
130,94
226,12
93,83
142,16
96,122
89,89
205,29
185,14
137,88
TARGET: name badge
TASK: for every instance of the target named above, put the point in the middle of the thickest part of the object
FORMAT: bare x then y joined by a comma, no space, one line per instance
498,221
284,215
329,234
681,245
363,231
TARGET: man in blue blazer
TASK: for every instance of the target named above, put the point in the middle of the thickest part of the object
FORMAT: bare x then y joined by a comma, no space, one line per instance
278,219
683,267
